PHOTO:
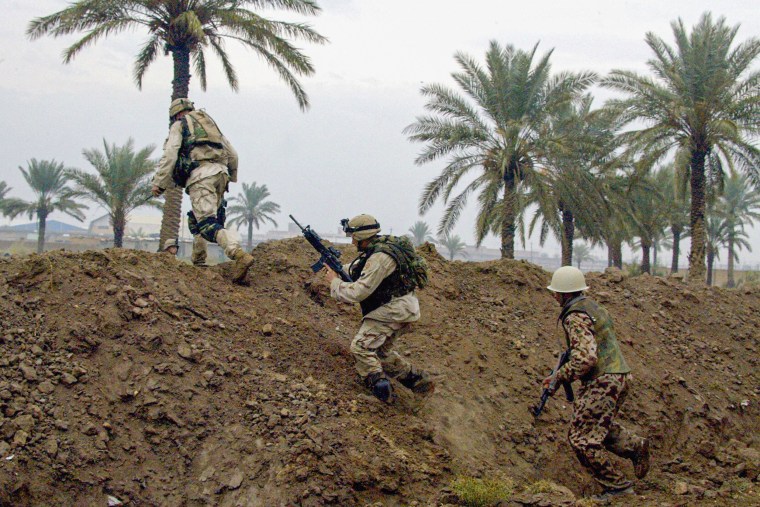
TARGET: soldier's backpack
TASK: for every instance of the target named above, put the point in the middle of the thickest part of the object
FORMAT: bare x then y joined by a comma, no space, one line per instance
413,268
198,128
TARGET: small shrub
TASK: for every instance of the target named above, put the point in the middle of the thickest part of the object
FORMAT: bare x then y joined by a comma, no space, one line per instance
474,492
538,487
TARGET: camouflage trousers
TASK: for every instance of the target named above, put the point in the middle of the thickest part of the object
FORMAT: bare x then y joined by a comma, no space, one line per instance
594,430
372,347
205,196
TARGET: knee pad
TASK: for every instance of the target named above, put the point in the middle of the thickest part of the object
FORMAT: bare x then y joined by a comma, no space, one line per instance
208,227
221,213
192,224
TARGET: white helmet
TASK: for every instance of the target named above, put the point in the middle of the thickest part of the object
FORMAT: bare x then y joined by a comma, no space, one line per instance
568,279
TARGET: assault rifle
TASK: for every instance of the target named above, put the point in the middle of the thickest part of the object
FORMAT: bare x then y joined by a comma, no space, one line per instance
329,254
546,393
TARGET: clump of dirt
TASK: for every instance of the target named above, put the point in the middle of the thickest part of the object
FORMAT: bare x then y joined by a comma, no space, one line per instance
133,376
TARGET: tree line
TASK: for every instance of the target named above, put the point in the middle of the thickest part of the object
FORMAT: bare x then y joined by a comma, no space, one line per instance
649,167
120,184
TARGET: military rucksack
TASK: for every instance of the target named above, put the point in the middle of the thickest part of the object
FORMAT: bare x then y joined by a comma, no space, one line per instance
198,128
413,268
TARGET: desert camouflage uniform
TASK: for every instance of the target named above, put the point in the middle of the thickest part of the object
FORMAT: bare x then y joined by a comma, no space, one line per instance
372,347
205,186
593,428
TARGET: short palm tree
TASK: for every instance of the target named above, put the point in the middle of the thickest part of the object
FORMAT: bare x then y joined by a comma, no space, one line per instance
716,238
739,206
48,180
581,253
704,99
121,184
675,198
497,131
252,209
421,233
190,29
453,244
647,218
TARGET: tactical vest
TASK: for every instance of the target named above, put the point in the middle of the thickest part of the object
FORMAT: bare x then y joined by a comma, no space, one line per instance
198,129
609,357
392,285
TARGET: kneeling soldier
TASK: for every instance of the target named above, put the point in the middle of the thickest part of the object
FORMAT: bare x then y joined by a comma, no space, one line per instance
596,360
389,305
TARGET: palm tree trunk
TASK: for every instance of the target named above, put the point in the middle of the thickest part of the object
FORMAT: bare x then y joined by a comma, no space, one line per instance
41,228
568,234
119,223
508,220
645,251
710,260
697,218
730,275
654,254
170,220
676,249
609,255
250,235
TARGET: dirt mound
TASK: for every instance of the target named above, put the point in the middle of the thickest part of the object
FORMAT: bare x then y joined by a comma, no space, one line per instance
131,375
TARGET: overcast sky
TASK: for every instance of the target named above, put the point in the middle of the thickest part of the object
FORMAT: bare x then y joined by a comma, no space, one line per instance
347,154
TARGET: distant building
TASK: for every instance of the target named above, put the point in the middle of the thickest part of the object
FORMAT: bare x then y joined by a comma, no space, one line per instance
146,225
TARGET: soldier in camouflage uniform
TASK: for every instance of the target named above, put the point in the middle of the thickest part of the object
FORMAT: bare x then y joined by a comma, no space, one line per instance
596,360
199,158
389,306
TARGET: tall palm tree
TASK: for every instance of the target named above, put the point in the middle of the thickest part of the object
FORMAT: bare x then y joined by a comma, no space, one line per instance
421,233
190,29
582,253
497,131
698,103
739,206
47,179
253,209
121,184
453,244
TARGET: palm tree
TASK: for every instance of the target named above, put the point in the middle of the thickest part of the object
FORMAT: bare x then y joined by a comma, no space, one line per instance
716,237
739,206
453,244
4,189
570,194
647,219
139,236
47,179
582,253
675,198
421,233
122,182
699,104
190,28
253,209
500,135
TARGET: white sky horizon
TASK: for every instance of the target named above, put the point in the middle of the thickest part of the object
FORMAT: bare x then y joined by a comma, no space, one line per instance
347,154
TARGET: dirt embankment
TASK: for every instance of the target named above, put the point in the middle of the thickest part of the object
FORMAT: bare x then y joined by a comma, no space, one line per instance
131,375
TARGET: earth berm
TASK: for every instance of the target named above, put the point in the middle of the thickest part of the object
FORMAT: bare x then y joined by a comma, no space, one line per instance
131,377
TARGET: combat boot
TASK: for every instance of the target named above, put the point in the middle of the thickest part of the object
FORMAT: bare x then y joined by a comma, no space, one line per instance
243,262
641,460
418,381
380,386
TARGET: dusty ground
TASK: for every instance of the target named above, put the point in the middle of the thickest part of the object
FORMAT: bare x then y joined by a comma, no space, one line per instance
133,375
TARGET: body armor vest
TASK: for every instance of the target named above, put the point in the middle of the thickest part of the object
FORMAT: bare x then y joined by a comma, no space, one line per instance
609,357
391,286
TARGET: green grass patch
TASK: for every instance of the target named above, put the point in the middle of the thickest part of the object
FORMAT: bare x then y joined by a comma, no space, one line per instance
538,487
474,492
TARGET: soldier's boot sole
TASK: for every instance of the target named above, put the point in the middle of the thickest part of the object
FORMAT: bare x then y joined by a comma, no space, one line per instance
641,460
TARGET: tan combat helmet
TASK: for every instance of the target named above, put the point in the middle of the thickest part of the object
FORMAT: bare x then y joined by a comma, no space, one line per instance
179,105
568,279
361,227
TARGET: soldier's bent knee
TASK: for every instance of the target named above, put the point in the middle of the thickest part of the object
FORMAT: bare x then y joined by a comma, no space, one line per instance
208,228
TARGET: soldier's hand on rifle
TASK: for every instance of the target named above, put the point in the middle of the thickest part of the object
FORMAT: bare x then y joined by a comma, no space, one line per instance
547,384
156,190
330,275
